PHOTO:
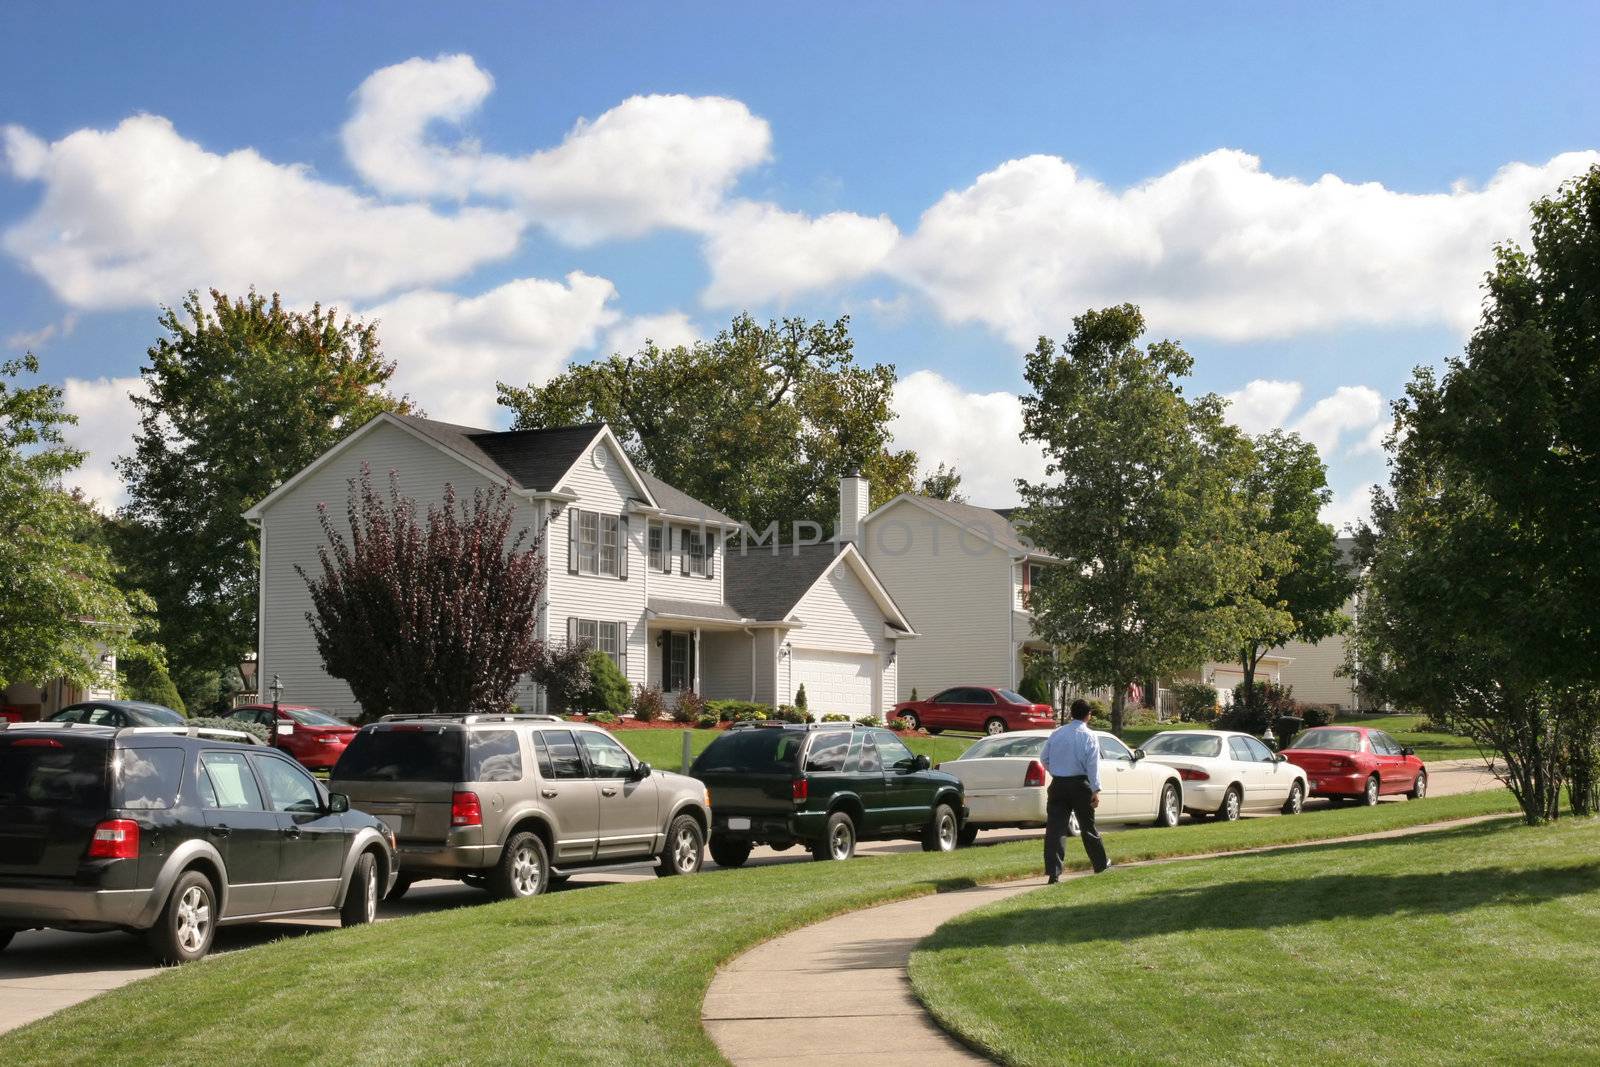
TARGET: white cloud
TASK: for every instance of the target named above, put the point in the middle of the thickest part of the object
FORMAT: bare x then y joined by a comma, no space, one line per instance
649,162
35,339
1263,404
1216,247
449,350
668,330
759,252
138,214
1349,508
1349,411
1372,444
107,420
977,433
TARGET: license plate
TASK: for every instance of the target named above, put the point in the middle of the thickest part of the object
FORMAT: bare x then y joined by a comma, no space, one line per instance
738,824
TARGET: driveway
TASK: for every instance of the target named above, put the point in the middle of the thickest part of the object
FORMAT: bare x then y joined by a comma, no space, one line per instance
44,971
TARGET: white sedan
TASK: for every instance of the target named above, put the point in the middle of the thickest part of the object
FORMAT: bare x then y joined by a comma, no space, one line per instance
1005,784
1228,774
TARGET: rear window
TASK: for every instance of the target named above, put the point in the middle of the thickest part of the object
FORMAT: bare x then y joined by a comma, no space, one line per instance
493,756
828,752
313,717
1013,698
1182,744
1331,740
759,751
48,772
149,778
1003,746
404,754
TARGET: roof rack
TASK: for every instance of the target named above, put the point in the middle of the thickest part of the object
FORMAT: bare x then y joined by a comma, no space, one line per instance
436,716
774,724
214,733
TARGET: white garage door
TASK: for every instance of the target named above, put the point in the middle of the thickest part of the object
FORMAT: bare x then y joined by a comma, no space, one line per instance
835,681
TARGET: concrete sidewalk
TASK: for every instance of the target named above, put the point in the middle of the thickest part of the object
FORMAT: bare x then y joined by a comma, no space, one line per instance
836,992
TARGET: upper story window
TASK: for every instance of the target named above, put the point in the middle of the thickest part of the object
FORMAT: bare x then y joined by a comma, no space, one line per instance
597,543
658,548
696,554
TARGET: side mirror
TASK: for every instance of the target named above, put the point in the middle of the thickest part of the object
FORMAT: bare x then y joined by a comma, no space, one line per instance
1138,754
338,803
285,729
1408,751
641,771
921,763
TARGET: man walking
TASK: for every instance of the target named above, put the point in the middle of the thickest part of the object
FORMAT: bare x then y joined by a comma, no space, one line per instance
1072,756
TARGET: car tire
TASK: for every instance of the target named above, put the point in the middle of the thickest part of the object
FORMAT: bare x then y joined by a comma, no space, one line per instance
402,886
685,850
1369,796
942,834
994,726
968,836
1232,805
361,899
184,930
1170,809
1296,802
523,870
726,853
1419,788
838,841
913,718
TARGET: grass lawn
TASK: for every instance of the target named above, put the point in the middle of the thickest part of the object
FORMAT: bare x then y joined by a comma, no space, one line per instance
1474,945
604,975
664,748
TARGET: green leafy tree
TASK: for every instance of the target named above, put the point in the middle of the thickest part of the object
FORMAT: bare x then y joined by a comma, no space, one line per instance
761,422
943,483
1303,599
1484,549
1141,503
61,604
241,394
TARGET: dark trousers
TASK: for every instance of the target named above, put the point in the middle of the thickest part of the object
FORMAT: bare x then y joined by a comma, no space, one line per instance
1068,796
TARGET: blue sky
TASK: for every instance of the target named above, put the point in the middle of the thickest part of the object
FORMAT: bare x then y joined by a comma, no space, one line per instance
1065,156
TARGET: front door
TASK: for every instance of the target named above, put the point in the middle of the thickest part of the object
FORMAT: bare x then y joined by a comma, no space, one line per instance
313,837
243,830
1394,775
908,793
629,806
568,793
677,661
864,773
940,710
1275,775
1120,779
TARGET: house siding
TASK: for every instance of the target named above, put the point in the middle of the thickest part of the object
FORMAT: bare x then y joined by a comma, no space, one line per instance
1312,671
956,592
765,651
725,666
680,586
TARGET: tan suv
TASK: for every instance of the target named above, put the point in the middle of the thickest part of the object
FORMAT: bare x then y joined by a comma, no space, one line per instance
511,803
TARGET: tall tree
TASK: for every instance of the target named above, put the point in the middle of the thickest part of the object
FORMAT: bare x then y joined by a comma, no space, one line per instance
1484,570
943,483
60,603
240,395
1304,599
761,422
1142,504
423,614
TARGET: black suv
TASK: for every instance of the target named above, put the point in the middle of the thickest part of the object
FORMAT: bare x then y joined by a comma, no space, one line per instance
171,831
824,785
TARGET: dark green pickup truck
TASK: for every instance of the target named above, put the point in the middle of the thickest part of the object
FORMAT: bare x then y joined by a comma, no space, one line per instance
824,785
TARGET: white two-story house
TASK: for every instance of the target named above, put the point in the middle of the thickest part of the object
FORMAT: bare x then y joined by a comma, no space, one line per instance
657,580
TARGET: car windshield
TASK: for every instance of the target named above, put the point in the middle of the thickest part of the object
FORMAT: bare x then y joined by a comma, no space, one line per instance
1178,743
1332,740
153,715
758,751
403,754
1012,698
313,717
1002,747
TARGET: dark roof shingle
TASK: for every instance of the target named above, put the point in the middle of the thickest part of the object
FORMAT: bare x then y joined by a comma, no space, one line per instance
766,583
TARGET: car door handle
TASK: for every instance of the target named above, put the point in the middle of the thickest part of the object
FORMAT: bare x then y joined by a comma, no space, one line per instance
293,833
609,791
549,794
221,830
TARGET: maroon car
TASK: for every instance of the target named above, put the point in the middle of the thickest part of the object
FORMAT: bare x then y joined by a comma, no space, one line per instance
977,707
1357,763
310,735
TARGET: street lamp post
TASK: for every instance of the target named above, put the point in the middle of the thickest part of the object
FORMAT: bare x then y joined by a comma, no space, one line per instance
247,672
276,688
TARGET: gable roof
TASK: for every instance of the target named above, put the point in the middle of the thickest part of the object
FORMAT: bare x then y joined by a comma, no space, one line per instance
767,583
538,459
991,525
677,503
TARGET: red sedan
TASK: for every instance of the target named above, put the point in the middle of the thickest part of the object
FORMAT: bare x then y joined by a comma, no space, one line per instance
310,735
977,707
1357,763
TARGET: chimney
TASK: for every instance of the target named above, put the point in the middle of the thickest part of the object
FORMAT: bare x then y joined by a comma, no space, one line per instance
854,494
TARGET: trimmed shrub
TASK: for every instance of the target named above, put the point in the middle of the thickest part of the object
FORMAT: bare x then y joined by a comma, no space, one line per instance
834,716
800,697
739,710
913,696
790,713
608,689
1035,687
871,720
1318,714
1428,726
706,722
605,718
1099,722
254,729
691,708
649,705
145,677
1197,702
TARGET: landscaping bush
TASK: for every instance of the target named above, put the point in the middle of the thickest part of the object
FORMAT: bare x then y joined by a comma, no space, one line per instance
706,722
608,689
834,716
1429,726
913,696
564,674
901,724
1099,722
649,705
1035,687
691,708
1098,710
1247,719
1197,702
605,718
1268,702
871,720
739,710
790,713
800,697
254,729
1318,714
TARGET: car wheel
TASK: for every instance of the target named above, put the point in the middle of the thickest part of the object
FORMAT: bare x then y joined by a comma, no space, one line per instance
726,853
361,899
1419,788
1171,806
942,830
402,886
838,839
1073,829
1370,796
994,726
686,848
968,836
913,718
523,870
1232,805
1296,801
187,924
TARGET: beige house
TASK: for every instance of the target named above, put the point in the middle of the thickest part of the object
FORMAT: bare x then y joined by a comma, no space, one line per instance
640,570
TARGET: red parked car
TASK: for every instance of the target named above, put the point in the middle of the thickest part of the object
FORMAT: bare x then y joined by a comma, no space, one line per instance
1357,763
310,735
977,707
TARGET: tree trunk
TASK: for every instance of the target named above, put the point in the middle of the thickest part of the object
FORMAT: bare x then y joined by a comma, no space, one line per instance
1248,661
1119,700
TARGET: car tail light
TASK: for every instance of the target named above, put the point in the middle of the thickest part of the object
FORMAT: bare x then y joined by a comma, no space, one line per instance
1034,775
800,789
1338,763
465,810
1194,776
36,742
115,839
